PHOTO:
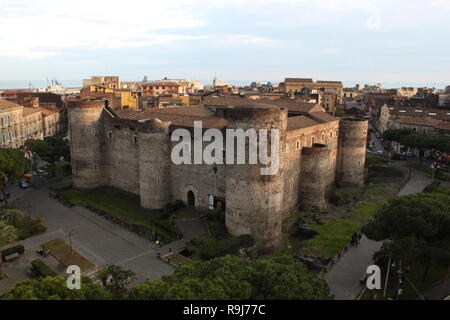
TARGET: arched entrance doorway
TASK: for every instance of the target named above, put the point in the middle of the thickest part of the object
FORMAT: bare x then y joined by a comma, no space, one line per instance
190,199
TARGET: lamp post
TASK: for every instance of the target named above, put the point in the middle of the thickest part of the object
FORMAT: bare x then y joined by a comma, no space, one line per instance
69,234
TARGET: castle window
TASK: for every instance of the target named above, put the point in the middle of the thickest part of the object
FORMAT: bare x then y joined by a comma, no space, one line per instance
93,131
291,183
95,167
331,134
109,135
135,140
298,145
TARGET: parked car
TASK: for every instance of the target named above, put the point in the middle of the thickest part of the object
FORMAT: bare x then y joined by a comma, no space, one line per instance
3,199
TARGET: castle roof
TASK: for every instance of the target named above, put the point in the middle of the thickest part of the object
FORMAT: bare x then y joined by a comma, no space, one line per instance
231,101
178,116
309,120
300,122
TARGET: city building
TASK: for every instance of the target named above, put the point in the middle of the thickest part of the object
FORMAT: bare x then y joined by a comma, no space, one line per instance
18,124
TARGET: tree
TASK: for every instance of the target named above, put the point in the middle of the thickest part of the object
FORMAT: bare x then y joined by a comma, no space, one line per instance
119,276
232,277
418,226
51,150
103,275
420,141
55,288
7,234
13,165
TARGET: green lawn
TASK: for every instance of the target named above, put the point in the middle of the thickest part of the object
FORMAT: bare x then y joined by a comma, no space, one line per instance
123,207
338,224
68,257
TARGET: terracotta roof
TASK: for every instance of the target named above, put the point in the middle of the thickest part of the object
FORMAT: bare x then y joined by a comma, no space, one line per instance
178,116
4,104
301,122
309,80
326,81
29,111
440,114
324,116
229,101
46,112
419,121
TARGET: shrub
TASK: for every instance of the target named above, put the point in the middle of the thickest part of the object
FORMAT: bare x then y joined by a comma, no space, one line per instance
28,227
213,248
382,171
431,187
345,196
374,160
178,204
16,249
42,269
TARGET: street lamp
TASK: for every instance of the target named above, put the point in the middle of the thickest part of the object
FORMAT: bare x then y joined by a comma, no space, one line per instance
69,234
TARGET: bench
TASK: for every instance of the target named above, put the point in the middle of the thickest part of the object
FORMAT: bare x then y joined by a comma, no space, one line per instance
11,257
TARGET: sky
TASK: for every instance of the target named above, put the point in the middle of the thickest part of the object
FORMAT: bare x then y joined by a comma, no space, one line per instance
393,42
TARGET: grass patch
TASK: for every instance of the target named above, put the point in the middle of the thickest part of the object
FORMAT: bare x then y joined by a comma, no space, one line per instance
123,207
338,224
68,257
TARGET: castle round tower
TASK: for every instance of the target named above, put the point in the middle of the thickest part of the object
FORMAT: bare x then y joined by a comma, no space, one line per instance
86,142
352,152
154,159
254,202
315,177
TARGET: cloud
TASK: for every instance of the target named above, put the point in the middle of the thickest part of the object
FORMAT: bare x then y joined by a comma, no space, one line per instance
42,29
241,39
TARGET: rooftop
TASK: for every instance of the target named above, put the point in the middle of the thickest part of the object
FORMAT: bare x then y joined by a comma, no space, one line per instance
4,104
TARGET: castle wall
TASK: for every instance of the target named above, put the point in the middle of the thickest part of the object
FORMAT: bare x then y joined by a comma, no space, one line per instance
255,202
122,157
352,152
200,179
316,172
325,133
154,163
86,134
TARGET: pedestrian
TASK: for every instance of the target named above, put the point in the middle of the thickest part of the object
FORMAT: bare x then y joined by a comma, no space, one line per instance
354,237
359,238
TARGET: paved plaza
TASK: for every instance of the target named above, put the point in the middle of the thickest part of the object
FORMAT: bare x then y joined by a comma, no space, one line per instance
98,239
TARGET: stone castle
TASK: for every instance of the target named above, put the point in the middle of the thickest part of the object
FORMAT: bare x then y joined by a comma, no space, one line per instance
130,150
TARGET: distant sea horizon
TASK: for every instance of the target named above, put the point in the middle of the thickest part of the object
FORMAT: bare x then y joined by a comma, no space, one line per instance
35,84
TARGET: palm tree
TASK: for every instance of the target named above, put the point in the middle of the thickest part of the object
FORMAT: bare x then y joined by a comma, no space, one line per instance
7,234
11,215
103,275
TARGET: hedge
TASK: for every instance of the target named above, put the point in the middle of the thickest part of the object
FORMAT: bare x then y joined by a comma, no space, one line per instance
42,269
16,249
213,248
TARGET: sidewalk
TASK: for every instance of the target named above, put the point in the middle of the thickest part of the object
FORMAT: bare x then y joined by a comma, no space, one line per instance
344,278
